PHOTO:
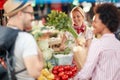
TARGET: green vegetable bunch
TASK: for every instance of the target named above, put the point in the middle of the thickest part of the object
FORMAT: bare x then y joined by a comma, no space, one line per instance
61,22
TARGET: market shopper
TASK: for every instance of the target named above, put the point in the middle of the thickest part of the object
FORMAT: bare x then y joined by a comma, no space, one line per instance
103,60
27,55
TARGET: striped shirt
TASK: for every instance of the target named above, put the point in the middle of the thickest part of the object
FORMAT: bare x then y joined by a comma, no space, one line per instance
103,60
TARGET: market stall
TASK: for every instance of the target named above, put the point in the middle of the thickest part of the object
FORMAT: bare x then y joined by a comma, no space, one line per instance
59,63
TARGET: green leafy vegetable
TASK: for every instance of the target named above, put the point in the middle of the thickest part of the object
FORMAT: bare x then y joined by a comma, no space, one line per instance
61,22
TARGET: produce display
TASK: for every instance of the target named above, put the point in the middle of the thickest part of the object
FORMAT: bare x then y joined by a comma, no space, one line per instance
57,63
64,72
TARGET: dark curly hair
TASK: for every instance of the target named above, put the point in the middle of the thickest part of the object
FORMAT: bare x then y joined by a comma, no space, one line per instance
109,15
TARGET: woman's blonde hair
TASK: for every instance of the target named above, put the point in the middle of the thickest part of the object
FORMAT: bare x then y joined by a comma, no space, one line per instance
79,9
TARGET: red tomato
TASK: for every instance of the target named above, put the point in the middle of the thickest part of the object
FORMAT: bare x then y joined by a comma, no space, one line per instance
67,67
60,65
54,71
57,78
75,65
74,69
69,73
73,74
61,74
65,77
55,68
60,69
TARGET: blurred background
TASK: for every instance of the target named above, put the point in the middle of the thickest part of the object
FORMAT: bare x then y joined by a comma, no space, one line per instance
43,7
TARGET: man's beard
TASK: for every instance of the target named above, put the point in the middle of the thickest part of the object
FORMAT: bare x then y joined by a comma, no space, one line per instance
27,27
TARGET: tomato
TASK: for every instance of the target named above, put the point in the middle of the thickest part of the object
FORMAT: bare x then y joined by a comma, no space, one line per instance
55,68
54,71
65,77
57,78
61,74
61,66
75,65
73,74
67,67
69,73
74,69
60,69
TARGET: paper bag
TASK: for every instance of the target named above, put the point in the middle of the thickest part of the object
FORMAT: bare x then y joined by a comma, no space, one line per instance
79,55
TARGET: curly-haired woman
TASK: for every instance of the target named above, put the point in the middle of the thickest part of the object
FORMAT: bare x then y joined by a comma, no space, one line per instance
103,60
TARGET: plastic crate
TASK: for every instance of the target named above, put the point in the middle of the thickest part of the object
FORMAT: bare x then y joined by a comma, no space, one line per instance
62,59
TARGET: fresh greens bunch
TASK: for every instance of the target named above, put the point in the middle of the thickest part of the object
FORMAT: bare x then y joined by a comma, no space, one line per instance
61,22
